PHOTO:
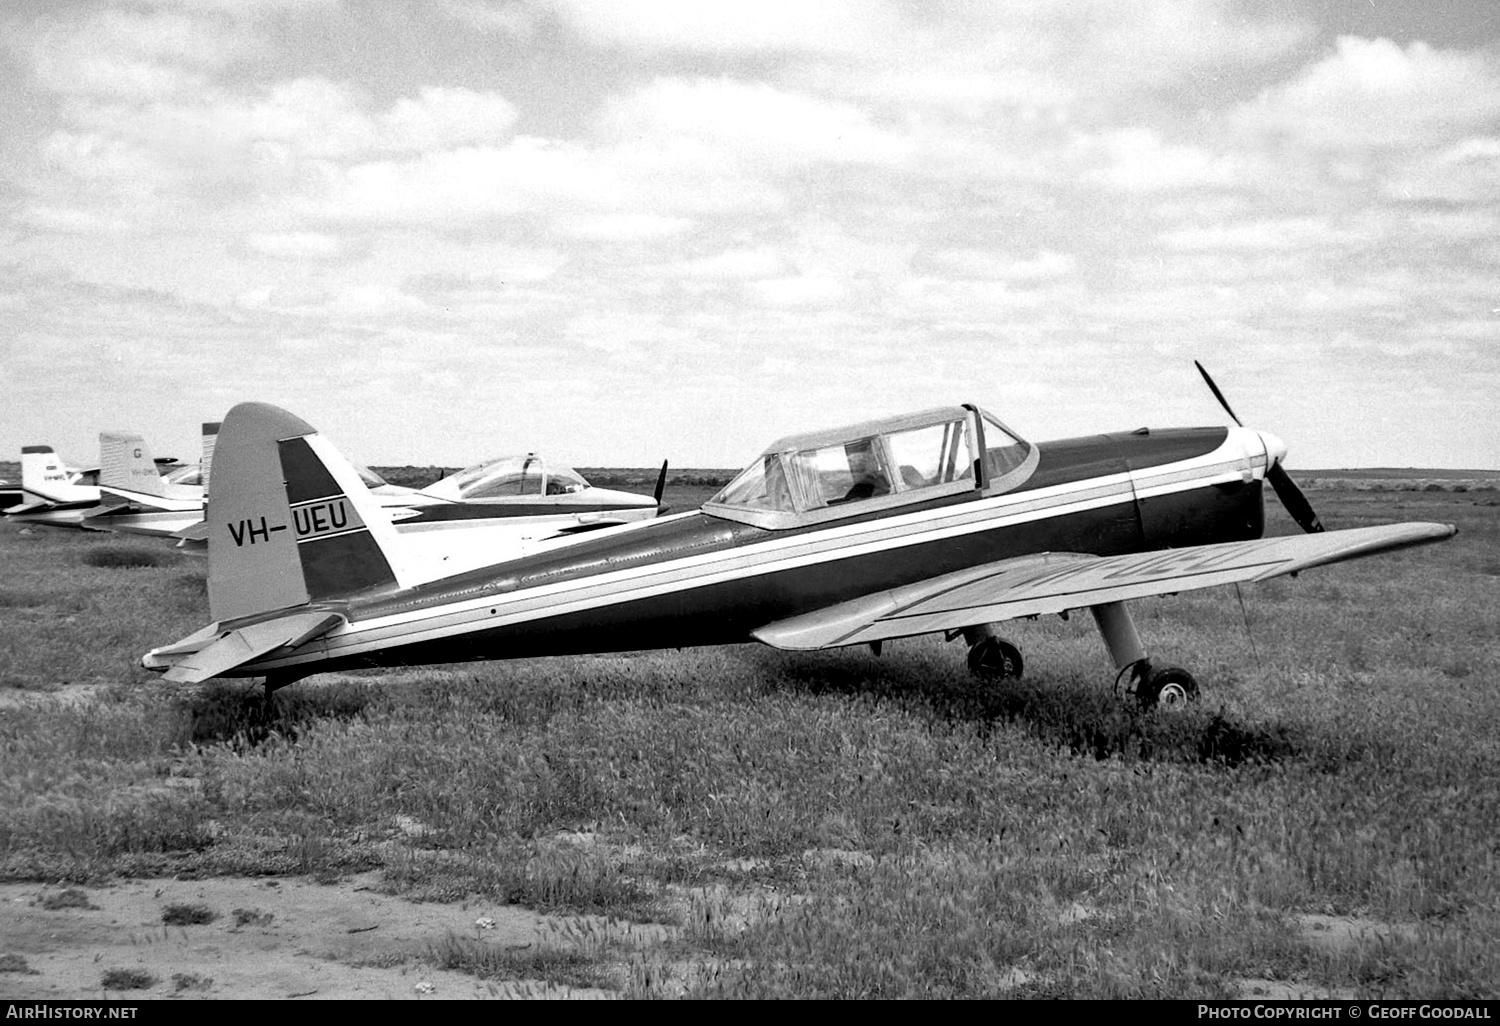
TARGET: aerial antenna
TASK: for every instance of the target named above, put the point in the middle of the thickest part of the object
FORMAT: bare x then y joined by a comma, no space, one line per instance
1245,619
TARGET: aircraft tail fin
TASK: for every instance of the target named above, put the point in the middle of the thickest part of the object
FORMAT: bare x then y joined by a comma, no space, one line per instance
289,521
210,439
125,463
44,477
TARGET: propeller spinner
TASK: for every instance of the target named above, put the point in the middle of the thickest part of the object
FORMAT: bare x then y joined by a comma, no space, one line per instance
1286,489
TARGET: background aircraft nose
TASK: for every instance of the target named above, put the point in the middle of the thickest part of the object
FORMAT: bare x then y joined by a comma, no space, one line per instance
1275,447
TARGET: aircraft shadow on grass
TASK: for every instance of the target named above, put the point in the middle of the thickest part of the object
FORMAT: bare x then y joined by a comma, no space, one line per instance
1075,717
232,714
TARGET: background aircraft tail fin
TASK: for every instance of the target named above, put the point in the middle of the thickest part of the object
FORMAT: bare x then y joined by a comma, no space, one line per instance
289,521
37,462
210,439
125,463
45,477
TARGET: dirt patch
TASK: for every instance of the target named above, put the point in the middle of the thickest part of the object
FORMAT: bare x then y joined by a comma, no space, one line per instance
1281,990
270,939
1344,933
1327,933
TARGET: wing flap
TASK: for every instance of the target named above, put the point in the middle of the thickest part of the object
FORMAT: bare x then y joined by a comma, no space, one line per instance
241,645
1055,582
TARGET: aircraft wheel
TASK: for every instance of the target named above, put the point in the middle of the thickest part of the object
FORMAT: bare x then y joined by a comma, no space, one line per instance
994,659
1171,689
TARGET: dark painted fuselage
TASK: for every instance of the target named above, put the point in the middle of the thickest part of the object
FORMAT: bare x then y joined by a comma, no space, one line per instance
701,579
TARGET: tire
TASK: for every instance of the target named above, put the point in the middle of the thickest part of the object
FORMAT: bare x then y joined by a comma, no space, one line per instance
1170,689
994,659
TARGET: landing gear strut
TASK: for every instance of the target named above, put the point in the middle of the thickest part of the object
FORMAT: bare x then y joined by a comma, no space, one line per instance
1170,688
990,657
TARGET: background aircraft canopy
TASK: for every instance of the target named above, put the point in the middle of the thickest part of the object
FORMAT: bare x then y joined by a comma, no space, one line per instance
813,477
508,476
187,474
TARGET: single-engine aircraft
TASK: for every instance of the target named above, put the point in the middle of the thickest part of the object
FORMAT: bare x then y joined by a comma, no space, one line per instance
539,498
941,521
53,493
507,504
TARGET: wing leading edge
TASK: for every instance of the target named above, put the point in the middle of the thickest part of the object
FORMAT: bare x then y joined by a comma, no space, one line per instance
1059,581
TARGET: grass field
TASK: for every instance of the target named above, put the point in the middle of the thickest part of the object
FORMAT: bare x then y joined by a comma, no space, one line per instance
1326,821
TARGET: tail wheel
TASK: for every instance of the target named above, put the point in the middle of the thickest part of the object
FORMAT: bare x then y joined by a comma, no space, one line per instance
994,659
1171,689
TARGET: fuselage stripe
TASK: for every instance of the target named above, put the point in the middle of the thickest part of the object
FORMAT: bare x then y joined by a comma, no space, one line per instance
438,618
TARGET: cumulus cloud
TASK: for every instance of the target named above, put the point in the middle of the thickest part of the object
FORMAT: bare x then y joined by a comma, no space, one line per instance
295,245
622,227
248,8
1139,160
730,265
628,191
704,180
345,301
1466,173
800,291
1270,234
127,54
306,118
1373,93
830,26
998,266
1039,61
752,121
928,297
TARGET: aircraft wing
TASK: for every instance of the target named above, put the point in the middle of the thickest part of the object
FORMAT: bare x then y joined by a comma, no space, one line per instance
207,654
1058,581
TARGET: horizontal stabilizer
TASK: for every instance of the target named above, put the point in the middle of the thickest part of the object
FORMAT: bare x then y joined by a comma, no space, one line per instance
194,533
114,502
242,645
1056,582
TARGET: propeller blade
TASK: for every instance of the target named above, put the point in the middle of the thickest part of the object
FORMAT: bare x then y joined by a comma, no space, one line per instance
661,482
1292,498
1286,489
1217,394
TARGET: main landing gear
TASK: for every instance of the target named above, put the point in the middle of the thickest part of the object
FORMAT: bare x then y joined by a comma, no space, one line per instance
991,657
1169,688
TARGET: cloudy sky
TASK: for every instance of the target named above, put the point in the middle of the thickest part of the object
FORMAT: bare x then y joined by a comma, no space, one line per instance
619,232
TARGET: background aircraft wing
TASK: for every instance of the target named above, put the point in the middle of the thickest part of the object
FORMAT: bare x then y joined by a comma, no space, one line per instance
194,533
1059,581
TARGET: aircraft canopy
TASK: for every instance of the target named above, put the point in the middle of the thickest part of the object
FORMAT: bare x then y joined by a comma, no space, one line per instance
507,476
824,475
